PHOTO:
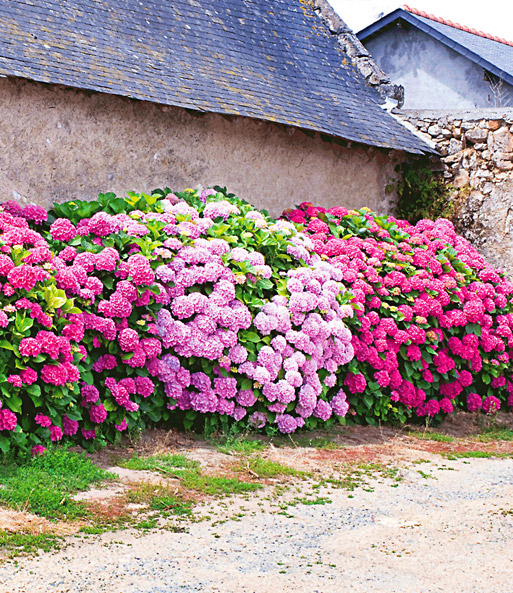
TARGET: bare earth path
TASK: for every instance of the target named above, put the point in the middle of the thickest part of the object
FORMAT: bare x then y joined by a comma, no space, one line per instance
446,527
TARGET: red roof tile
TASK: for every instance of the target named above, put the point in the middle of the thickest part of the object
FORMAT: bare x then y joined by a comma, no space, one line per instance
432,17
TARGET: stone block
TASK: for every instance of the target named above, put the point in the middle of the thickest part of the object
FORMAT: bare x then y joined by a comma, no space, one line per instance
461,179
484,174
434,130
493,125
476,135
502,140
454,158
504,165
455,146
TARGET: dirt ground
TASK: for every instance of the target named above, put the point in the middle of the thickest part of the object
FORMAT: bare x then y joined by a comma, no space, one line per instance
382,511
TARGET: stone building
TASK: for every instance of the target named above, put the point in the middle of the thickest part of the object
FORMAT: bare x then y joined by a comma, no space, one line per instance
276,99
440,64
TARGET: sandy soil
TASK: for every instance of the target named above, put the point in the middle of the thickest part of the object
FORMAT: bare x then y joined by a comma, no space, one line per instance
445,526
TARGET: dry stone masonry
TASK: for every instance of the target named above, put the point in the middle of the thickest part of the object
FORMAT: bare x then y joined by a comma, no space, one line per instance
477,154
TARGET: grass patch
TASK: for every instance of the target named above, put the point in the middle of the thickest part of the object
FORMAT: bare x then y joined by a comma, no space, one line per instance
45,484
215,486
14,544
494,434
475,455
355,476
164,463
189,473
266,468
159,497
241,445
322,443
431,436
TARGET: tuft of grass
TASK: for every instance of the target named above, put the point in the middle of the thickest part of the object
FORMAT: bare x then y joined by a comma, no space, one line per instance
494,434
324,443
159,497
266,468
216,486
355,476
240,445
189,473
15,544
45,484
164,463
431,436
474,455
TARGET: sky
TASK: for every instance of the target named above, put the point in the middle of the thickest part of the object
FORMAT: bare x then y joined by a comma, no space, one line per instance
490,16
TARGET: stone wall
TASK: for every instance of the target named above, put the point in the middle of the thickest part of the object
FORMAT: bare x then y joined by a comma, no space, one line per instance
58,143
477,155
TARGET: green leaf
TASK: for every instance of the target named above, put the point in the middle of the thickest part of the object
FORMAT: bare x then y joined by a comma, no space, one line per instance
4,444
15,403
87,377
34,390
252,336
368,400
246,384
110,405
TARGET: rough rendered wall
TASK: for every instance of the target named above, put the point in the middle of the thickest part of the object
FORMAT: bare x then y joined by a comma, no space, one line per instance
433,75
57,144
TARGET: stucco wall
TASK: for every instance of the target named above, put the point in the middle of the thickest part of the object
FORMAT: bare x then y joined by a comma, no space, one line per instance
433,75
58,144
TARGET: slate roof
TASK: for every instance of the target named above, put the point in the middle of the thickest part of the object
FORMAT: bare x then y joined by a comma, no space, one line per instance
491,53
273,60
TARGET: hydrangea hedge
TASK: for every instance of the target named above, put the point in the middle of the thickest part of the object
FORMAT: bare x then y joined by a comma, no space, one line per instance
198,309
194,308
433,327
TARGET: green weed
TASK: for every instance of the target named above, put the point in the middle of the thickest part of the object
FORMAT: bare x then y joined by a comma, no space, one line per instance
45,484
431,436
266,468
14,544
160,497
494,434
475,455
215,486
164,463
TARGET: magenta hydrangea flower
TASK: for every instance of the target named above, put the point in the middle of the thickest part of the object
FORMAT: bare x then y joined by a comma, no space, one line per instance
8,420
63,230
474,402
43,420
69,427
54,374
37,450
491,405
55,433
97,413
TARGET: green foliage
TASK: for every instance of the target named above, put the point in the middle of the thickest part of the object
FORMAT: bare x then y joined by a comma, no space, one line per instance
190,475
160,497
423,193
163,462
14,544
267,468
46,484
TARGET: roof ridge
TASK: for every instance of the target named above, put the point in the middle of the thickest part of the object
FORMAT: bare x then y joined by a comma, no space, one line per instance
443,21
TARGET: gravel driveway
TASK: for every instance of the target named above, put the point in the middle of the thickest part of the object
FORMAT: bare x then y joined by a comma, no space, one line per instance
446,527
